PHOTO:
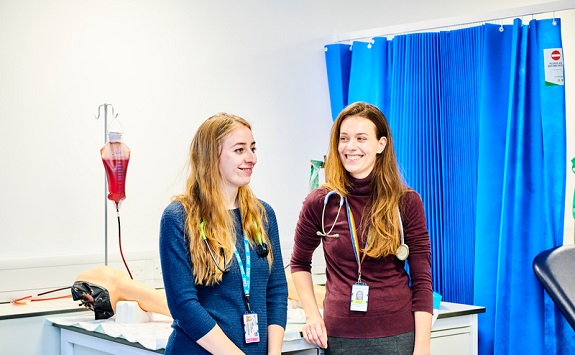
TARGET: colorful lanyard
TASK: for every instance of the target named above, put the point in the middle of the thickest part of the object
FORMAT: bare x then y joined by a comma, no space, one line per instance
355,241
245,274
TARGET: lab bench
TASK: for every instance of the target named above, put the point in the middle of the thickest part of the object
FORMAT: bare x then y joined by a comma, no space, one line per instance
78,341
33,329
24,329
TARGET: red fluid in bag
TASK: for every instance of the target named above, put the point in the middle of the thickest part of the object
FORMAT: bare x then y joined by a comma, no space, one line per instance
116,157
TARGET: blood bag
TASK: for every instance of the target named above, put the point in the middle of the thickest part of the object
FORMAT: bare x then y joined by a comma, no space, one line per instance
116,156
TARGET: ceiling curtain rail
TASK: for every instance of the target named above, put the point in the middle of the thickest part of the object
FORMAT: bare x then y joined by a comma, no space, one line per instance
453,22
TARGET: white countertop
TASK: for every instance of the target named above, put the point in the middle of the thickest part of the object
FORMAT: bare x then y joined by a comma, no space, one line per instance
39,308
448,309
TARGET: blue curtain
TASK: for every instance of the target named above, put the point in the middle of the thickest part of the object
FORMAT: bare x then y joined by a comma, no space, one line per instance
338,61
521,188
479,129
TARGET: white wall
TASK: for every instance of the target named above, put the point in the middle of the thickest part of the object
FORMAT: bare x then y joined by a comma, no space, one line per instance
165,66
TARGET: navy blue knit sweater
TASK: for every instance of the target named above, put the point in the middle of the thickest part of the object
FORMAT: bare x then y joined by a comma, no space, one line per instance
197,309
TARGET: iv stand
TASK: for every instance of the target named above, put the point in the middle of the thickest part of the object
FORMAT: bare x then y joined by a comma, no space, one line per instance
105,105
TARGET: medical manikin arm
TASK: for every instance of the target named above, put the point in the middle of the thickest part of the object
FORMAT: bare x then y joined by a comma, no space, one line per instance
122,288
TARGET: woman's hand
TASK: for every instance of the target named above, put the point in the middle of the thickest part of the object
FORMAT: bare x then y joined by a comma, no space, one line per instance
314,331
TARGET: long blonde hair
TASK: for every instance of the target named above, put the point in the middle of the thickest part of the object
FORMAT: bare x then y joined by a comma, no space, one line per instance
203,200
387,184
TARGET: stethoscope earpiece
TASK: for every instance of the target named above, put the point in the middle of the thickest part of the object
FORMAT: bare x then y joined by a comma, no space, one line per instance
262,250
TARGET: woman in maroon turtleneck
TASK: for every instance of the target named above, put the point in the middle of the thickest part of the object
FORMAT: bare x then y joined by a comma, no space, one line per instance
364,228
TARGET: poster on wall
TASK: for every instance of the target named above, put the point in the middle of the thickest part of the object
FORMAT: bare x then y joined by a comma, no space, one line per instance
553,61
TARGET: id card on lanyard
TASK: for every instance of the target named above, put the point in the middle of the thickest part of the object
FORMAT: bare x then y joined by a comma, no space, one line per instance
250,319
359,290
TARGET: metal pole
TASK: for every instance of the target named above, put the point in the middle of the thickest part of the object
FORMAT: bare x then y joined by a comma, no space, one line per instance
105,105
105,192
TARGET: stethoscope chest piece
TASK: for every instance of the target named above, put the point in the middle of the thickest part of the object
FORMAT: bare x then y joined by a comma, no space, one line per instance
262,250
402,252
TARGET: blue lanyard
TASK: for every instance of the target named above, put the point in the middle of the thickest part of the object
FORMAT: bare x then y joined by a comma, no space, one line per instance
245,274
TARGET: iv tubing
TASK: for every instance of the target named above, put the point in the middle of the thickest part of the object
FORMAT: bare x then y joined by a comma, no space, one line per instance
120,241
40,294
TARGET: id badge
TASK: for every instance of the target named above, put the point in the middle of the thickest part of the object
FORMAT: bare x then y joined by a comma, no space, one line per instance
359,295
251,329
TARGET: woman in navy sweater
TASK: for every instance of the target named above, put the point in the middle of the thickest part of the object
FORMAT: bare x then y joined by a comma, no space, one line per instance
220,251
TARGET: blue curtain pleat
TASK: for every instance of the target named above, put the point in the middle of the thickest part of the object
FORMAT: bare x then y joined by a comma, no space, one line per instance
481,135
381,68
368,76
521,219
493,98
459,124
415,122
360,78
396,86
338,65
546,34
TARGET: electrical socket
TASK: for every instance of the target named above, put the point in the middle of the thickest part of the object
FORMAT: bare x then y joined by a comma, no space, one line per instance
157,269
141,270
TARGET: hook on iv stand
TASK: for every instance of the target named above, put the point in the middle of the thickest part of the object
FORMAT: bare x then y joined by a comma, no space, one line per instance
105,106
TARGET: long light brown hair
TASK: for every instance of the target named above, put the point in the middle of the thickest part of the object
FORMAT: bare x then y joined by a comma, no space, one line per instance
387,184
203,199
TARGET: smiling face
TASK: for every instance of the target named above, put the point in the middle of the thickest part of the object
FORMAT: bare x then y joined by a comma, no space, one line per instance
237,159
358,146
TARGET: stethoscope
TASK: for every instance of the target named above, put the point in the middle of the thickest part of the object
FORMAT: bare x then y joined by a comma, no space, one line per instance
402,251
262,248
323,232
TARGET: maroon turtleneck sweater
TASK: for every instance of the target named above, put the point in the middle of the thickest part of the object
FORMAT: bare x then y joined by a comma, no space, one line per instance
391,300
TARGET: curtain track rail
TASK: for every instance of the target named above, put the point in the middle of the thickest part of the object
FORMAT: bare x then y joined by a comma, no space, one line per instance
451,23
